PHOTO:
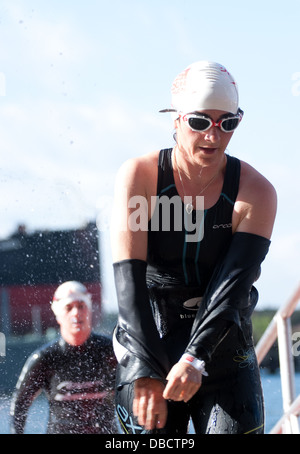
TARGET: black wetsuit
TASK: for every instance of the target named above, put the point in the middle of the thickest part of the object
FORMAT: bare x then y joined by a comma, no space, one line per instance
78,382
178,273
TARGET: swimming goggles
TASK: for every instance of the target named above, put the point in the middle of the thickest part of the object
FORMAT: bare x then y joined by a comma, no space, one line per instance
200,122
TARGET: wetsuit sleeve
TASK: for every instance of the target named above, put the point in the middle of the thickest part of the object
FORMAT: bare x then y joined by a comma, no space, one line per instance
230,296
136,340
30,383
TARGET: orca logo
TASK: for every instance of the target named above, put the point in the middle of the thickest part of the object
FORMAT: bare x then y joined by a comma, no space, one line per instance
193,303
222,226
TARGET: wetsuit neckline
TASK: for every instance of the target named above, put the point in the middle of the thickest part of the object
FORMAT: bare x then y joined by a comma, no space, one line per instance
223,186
76,348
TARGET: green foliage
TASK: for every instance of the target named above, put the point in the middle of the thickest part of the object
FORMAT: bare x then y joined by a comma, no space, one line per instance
260,322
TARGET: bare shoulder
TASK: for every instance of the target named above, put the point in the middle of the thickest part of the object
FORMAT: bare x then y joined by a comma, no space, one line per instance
253,184
134,186
138,171
256,203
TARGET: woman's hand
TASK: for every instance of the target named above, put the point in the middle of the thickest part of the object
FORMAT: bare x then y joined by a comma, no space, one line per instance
183,382
149,406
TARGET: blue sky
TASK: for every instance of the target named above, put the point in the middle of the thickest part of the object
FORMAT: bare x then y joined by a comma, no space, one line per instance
81,84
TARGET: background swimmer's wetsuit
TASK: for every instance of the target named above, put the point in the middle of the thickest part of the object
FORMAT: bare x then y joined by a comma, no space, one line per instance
220,268
78,382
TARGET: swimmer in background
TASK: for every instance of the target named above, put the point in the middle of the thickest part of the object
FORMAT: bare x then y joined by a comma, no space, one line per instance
184,337
76,372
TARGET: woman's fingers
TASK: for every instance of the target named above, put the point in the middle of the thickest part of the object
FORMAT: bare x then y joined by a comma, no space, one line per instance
156,412
149,406
183,382
140,408
149,403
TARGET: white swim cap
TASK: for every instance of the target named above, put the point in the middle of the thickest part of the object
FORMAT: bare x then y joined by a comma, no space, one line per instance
69,292
204,85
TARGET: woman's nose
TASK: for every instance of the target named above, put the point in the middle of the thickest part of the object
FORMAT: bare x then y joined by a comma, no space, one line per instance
213,134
